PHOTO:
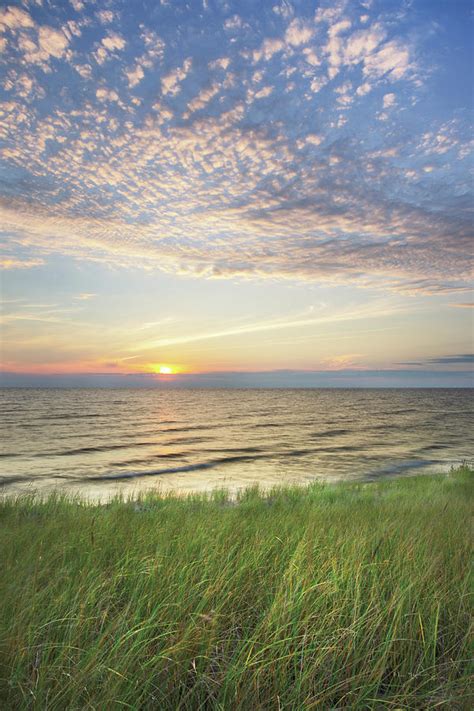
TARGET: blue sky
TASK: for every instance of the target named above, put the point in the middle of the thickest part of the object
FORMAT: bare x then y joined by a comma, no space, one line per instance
237,186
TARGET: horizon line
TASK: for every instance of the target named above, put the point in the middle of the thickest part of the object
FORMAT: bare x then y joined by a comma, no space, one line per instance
282,378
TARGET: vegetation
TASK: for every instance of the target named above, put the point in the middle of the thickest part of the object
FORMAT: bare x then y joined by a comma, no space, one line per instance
326,597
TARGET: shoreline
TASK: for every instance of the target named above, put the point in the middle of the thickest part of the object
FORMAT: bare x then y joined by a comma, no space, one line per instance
103,489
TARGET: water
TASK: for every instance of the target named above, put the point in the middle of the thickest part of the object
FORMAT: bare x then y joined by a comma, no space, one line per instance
100,442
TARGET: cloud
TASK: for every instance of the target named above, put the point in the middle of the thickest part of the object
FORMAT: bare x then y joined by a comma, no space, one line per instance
109,46
38,44
86,296
220,63
363,89
448,136
389,100
233,23
379,59
134,76
164,114
313,139
464,358
113,42
298,32
240,329
262,93
278,171
15,263
329,14
23,85
317,84
317,238
203,98
84,70
345,92
284,9
52,42
171,81
311,57
105,16
104,94
269,47
343,362
392,60
14,18
361,44
154,47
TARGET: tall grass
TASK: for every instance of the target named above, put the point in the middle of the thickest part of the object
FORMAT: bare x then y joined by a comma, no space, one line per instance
326,597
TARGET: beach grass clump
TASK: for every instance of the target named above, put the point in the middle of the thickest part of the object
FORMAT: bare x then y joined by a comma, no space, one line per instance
322,597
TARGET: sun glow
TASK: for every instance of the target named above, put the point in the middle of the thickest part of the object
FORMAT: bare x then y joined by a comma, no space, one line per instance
164,370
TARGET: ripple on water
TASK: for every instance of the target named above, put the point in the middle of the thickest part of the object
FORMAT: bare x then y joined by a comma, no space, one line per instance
72,437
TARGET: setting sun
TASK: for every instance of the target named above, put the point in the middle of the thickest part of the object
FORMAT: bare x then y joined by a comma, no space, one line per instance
162,369
165,370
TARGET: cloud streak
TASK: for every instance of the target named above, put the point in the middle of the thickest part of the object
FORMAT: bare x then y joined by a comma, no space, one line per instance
263,326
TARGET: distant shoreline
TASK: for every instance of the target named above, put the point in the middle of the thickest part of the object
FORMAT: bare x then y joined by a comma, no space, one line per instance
258,380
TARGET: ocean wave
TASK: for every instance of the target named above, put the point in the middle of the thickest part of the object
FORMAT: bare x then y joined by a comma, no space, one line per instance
155,472
91,450
330,433
191,428
397,468
209,464
8,480
144,460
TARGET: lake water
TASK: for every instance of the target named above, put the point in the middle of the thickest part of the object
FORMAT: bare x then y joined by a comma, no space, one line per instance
99,442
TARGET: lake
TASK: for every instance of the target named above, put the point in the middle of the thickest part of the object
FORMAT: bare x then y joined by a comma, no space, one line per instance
99,442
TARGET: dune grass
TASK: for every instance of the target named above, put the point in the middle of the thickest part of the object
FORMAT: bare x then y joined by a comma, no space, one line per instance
327,597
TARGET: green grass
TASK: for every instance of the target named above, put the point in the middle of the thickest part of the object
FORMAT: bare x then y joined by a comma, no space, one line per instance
327,597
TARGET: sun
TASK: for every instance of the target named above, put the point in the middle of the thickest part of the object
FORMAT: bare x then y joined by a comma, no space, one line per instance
165,370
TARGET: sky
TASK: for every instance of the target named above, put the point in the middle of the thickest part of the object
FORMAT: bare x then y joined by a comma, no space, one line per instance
238,192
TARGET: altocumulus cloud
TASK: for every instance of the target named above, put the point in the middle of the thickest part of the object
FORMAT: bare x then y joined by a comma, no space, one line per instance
284,143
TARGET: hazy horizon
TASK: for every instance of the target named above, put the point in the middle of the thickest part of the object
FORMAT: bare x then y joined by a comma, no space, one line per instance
260,379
